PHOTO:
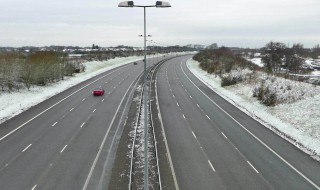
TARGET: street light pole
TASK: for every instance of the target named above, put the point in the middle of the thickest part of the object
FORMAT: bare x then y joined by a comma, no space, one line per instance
159,4
146,165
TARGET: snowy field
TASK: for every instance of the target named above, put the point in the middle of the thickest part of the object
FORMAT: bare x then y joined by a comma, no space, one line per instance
297,120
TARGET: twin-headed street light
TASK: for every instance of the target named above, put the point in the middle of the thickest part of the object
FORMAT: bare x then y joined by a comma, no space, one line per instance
159,4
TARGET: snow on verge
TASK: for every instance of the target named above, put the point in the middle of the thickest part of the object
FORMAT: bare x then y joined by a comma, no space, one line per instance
297,122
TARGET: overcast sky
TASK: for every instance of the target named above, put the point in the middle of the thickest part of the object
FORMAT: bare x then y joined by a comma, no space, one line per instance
241,23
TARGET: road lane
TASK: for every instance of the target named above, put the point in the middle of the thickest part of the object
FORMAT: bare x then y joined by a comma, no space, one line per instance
226,144
64,138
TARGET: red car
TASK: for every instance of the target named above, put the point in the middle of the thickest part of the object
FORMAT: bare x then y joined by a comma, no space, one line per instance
98,92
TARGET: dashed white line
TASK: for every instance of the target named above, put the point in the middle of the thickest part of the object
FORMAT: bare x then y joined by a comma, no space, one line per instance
183,116
224,135
63,148
178,104
194,134
208,117
198,106
102,100
54,124
190,97
253,167
71,109
82,124
94,110
211,165
83,99
26,148
34,187
173,95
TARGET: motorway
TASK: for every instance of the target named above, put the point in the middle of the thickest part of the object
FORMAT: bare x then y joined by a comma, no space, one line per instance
214,145
68,141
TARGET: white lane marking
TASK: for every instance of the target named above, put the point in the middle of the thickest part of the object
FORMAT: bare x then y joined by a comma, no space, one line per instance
54,124
106,82
194,134
253,167
82,124
264,144
224,135
173,95
34,187
94,110
102,100
83,99
178,104
190,97
71,109
198,106
63,148
26,148
211,165
183,116
208,117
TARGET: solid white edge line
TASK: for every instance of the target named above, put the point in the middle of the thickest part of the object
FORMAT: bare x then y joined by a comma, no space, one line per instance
26,148
253,167
63,148
274,152
5,136
54,124
211,166
165,139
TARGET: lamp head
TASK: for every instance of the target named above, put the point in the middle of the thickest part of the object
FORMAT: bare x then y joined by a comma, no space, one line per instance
126,4
162,4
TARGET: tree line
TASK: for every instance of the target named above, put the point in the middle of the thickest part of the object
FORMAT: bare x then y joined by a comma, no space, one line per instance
18,70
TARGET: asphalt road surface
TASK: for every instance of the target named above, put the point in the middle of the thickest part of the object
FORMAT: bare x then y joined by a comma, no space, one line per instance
213,145
68,142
